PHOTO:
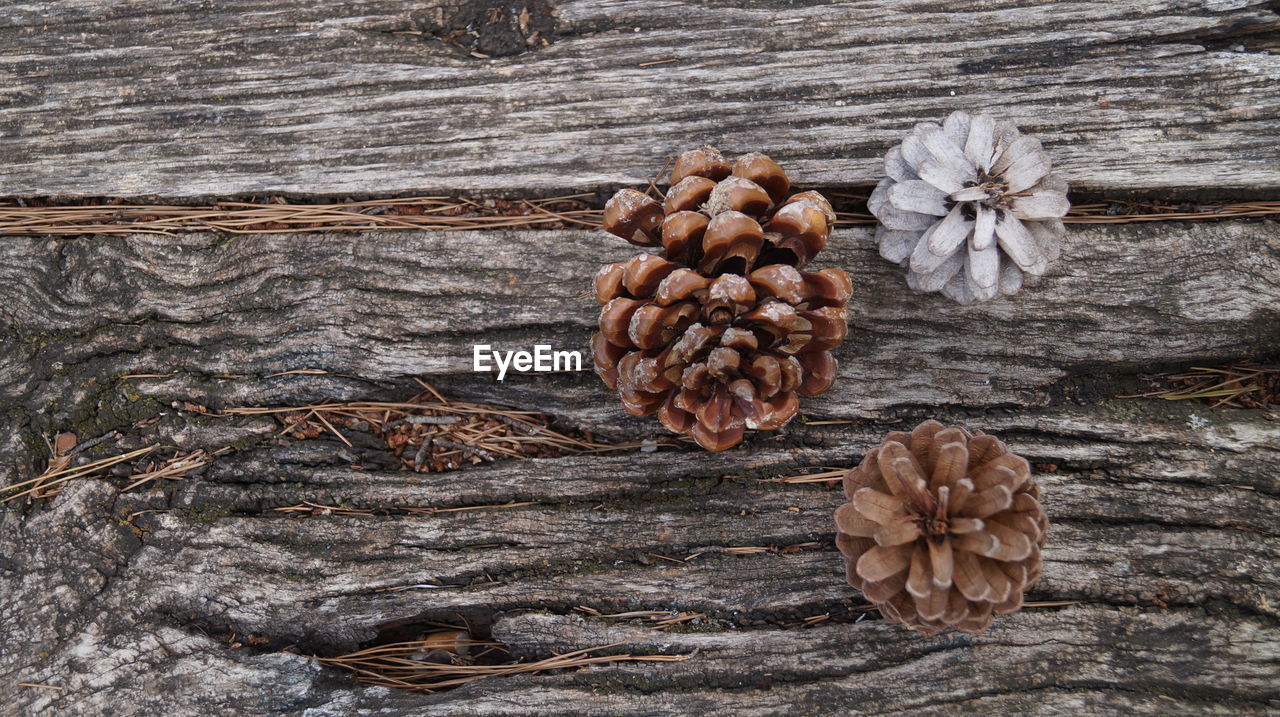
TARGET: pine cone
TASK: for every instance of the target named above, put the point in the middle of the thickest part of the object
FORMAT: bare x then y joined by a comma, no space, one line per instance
969,207
943,528
721,330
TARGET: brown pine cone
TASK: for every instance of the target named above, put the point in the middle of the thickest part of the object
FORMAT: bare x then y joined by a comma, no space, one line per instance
943,528
722,330
719,219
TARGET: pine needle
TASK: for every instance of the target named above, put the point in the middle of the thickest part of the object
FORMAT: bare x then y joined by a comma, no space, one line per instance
1244,385
47,484
827,476
309,508
402,665
43,482
175,467
461,213
432,433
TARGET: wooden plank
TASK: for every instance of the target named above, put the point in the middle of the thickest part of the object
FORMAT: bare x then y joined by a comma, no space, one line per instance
1164,513
384,307
1172,563
251,97
848,670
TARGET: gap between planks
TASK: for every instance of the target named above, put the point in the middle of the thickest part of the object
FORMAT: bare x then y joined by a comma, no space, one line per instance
19,217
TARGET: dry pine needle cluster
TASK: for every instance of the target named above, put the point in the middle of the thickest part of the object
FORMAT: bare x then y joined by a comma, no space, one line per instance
431,433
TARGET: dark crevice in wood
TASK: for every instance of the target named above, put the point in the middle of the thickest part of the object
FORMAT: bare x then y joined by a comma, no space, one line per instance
1088,689
1257,34
1058,53
479,619
973,646
1117,476
1154,524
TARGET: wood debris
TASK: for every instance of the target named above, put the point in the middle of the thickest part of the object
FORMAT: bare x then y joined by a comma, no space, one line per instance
405,664
1245,385
430,434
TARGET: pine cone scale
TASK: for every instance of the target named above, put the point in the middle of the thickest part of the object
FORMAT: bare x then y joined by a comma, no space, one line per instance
634,217
941,563
687,195
852,523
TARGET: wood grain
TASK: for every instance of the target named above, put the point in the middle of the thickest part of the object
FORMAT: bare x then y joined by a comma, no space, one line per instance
388,306
1163,552
1164,513
249,97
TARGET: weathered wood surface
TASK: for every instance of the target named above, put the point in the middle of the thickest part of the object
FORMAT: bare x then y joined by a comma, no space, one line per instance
1165,527
199,99
1174,562
1165,514
386,306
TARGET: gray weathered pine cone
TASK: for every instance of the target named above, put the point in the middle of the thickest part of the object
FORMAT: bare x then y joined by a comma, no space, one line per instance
969,207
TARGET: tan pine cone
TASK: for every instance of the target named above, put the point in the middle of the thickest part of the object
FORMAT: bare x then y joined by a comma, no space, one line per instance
943,528
723,330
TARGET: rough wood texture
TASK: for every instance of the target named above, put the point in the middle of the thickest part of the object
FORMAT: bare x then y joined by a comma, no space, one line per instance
1174,565
251,96
386,306
1164,514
